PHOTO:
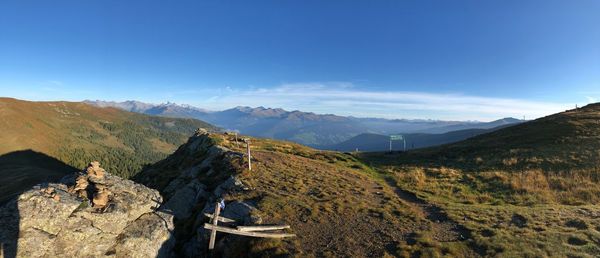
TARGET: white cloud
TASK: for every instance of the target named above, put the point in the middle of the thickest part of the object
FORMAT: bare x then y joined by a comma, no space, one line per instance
346,99
591,99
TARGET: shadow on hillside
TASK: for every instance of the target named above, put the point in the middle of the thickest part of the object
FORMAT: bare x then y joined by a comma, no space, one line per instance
19,171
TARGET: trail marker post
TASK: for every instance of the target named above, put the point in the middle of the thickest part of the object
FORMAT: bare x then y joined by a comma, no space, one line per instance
249,155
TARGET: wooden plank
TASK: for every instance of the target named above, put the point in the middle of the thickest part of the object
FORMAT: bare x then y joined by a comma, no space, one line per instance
245,233
213,234
221,218
262,228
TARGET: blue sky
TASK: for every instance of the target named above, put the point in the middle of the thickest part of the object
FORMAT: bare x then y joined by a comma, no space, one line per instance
397,59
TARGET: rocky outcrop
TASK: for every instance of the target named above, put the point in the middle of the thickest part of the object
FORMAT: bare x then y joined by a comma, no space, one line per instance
181,204
200,173
91,214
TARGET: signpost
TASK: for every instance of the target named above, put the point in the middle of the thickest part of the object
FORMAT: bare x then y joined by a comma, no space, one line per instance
247,140
397,137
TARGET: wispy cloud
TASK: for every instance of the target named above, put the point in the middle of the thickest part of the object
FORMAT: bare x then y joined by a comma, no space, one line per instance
591,99
346,99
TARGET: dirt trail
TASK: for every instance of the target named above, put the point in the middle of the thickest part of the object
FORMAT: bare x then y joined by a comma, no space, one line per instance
444,229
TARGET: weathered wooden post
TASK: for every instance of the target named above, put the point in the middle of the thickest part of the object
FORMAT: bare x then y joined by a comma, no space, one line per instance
249,155
213,233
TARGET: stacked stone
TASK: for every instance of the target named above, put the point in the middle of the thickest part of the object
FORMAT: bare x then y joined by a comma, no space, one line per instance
91,185
50,220
81,184
96,176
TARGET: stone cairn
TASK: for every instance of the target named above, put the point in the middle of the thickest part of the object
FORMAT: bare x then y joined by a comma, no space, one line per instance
90,185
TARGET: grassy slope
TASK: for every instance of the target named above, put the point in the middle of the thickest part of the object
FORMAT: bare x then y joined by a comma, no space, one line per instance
77,133
337,206
538,181
331,203
466,203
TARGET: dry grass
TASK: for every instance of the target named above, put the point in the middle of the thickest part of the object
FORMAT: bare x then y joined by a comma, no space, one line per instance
561,219
329,197
531,190
331,200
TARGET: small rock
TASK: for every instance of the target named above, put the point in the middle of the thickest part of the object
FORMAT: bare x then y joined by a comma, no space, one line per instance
200,131
242,212
94,170
101,198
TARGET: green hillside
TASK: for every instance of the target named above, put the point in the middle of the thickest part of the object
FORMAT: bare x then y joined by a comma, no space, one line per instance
76,133
337,206
539,180
459,200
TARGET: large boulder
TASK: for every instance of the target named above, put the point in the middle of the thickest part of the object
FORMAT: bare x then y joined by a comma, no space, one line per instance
55,220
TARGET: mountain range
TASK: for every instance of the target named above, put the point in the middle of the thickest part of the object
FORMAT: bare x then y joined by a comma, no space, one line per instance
538,179
316,130
378,142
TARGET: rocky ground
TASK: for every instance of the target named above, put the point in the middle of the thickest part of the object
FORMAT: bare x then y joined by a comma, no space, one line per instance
95,214
89,214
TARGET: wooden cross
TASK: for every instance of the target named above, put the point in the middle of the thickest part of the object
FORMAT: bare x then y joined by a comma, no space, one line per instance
252,231
213,233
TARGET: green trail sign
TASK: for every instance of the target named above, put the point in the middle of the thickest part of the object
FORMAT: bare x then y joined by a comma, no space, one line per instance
396,137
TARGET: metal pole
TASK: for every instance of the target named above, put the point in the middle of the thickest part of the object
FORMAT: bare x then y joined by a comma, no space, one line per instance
404,139
249,156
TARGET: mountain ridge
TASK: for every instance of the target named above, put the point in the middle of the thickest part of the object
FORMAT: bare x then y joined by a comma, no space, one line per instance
75,133
378,142
452,200
309,128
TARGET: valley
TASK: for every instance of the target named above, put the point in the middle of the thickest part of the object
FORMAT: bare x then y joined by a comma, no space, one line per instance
464,199
36,136
368,142
467,199
300,129
322,131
